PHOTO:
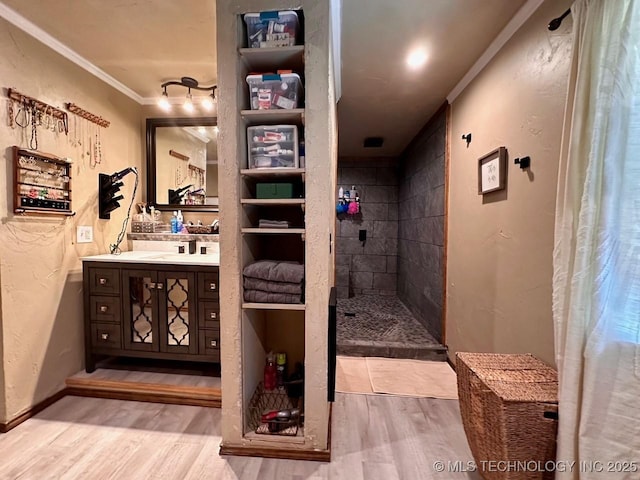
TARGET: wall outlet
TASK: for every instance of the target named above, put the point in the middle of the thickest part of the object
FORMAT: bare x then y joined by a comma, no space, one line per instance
84,234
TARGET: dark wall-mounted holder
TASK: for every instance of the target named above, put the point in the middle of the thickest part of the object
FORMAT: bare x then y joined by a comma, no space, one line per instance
524,162
467,138
108,191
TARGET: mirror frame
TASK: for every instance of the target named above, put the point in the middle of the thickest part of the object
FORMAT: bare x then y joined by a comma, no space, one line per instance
152,124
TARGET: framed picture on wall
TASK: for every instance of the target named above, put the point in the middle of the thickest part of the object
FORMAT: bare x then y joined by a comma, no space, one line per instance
492,171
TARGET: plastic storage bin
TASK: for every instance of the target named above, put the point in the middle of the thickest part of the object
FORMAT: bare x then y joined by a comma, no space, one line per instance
273,91
271,29
273,146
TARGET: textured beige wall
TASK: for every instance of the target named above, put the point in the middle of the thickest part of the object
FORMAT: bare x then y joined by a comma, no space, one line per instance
40,271
500,246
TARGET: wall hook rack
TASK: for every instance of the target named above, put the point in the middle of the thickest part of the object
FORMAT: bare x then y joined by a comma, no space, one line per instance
81,112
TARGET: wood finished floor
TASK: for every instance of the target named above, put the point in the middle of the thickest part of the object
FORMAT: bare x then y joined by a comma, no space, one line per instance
374,437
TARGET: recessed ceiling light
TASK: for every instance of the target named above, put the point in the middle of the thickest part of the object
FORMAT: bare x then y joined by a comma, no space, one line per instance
416,58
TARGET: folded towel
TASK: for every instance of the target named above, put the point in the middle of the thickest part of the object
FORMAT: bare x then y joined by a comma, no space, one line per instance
272,287
263,223
273,271
258,296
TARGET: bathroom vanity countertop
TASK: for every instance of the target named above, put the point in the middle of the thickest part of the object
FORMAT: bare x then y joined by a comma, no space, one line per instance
175,237
166,258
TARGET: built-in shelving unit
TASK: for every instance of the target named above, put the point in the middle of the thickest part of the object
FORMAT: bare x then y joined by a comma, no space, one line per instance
271,322
258,328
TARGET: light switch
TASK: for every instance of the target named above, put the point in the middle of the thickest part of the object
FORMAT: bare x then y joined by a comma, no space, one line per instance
84,234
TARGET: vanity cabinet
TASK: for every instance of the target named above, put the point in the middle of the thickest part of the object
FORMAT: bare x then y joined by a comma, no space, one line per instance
151,310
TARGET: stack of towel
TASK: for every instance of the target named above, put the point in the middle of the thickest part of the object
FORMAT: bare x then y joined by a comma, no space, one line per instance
269,281
264,223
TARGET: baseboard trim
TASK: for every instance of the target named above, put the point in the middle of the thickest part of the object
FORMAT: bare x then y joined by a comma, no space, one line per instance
37,408
145,392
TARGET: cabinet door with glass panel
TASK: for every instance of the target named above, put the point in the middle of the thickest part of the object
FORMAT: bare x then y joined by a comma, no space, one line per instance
157,306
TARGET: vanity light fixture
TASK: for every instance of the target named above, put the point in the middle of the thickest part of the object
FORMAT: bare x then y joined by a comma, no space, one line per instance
208,102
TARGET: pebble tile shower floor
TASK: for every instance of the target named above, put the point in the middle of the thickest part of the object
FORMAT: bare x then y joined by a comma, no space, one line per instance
381,326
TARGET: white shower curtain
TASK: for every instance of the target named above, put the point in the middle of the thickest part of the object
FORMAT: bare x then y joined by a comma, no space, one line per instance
596,284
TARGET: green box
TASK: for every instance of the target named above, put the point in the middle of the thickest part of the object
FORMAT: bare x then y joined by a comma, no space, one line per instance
274,190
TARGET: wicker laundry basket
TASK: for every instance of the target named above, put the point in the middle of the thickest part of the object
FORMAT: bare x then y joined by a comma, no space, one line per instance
509,407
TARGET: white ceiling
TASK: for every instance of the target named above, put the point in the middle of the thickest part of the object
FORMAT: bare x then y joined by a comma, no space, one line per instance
142,43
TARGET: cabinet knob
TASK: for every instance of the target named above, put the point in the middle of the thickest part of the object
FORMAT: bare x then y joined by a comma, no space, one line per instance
104,336
102,281
103,308
213,343
159,286
213,315
212,286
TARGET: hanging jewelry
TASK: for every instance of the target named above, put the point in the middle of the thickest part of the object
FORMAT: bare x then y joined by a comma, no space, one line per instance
33,143
99,144
72,138
22,122
88,143
95,146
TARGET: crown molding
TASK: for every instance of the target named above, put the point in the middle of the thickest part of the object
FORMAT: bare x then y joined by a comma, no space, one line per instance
503,37
57,46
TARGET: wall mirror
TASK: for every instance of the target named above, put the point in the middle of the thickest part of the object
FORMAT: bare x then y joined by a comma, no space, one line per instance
182,163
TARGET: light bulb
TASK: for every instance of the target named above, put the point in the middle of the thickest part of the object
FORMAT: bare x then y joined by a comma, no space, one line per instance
416,58
163,102
207,103
188,104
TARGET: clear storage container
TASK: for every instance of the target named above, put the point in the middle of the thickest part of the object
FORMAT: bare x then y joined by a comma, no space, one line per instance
271,29
275,91
273,146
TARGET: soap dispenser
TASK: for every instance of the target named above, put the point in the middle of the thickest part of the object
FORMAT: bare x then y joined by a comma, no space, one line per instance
180,222
174,222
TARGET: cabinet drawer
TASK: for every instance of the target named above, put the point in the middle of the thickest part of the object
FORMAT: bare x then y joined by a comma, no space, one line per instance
209,315
104,281
209,342
105,309
105,335
208,285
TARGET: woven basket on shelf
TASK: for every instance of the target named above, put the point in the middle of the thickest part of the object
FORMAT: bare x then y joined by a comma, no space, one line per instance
199,229
509,405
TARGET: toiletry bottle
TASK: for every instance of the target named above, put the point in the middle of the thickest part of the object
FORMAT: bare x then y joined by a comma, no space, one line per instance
281,368
270,373
179,222
340,193
174,222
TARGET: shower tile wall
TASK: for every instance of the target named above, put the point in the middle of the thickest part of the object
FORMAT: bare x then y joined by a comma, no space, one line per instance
421,225
368,269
